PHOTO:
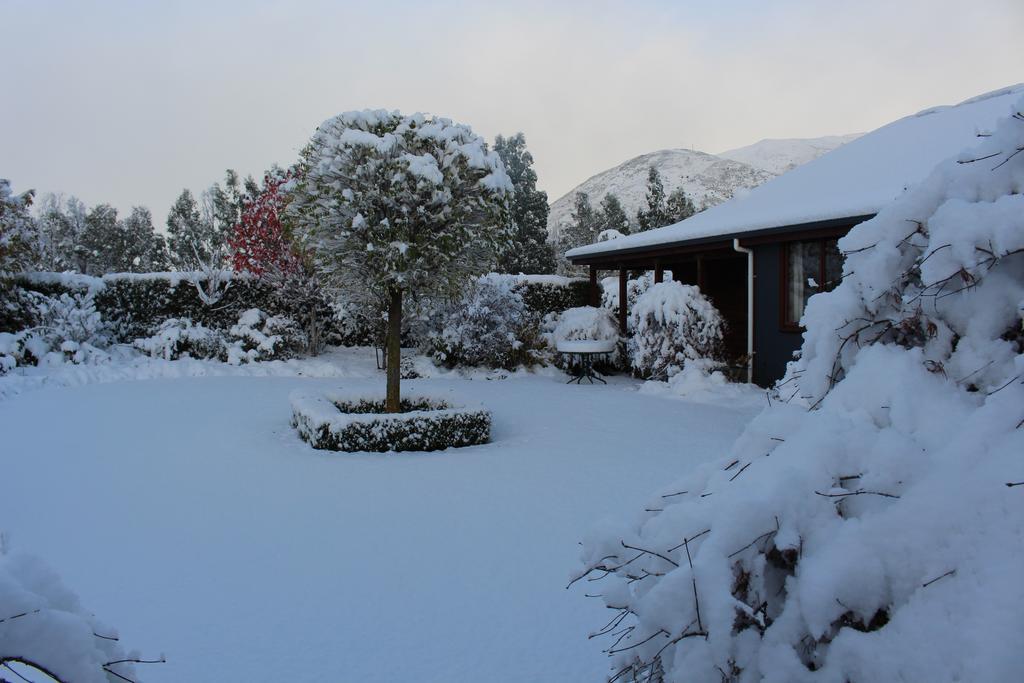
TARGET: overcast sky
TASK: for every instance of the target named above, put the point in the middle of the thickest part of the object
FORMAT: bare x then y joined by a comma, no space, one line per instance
130,102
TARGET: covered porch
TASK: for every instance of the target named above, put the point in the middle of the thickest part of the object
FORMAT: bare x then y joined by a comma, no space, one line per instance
722,270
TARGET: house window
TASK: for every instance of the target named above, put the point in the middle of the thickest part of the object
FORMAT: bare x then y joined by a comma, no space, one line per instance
809,267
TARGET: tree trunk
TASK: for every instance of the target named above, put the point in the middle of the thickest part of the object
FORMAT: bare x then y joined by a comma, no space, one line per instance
394,357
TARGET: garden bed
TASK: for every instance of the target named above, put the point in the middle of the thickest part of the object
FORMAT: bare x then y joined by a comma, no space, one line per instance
338,421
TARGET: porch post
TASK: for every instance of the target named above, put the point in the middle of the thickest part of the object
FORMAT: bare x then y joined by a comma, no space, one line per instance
659,272
623,273
592,291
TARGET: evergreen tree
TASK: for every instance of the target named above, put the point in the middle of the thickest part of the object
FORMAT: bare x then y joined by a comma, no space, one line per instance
193,240
656,214
103,246
679,206
585,224
223,205
529,251
145,250
61,225
17,229
611,215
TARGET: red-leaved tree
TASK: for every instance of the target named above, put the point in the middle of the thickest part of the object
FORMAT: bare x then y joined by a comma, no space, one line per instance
259,242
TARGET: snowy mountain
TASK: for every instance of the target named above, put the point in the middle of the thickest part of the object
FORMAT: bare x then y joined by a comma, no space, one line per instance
780,155
706,178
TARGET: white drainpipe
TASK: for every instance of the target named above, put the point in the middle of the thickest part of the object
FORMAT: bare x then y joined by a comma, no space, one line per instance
750,306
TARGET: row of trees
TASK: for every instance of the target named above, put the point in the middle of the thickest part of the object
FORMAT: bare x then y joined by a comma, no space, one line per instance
201,232
65,235
659,210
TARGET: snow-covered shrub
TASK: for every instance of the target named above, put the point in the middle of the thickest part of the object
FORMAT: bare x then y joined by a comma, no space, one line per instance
870,525
257,337
671,324
490,326
635,287
63,328
15,351
181,338
46,634
359,423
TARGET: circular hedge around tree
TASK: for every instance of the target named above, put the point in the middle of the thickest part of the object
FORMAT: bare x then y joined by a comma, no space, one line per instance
354,423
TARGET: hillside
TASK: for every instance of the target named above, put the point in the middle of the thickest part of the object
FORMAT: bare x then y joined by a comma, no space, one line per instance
780,155
706,178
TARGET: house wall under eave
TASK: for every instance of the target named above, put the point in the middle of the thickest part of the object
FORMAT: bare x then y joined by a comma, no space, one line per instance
773,346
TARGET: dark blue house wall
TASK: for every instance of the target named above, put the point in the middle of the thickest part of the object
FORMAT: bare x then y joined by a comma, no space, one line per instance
774,346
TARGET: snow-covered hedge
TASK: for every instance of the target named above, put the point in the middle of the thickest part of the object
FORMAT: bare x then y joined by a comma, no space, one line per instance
490,326
870,525
672,324
350,422
544,294
45,634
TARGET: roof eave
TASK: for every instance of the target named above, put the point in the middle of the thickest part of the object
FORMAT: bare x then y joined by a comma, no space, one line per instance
762,235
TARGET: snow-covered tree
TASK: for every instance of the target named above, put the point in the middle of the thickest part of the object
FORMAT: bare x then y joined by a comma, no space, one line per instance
145,250
61,225
679,206
866,526
529,251
396,204
261,243
193,240
102,242
221,206
583,228
612,216
656,213
17,229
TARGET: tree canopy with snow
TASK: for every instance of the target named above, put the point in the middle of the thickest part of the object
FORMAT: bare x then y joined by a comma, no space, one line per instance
394,204
867,526
584,228
529,250
17,228
193,239
612,216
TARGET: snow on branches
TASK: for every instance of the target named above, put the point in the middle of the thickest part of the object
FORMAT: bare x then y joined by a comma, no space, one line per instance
672,323
414,203
868,526
17,229
392,204
44,631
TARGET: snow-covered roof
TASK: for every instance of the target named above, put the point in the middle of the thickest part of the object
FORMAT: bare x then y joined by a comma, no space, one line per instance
856,179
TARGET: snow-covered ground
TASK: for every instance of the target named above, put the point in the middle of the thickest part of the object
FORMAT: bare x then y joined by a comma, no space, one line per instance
185,511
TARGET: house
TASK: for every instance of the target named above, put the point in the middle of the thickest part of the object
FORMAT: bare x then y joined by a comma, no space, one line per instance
761,255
